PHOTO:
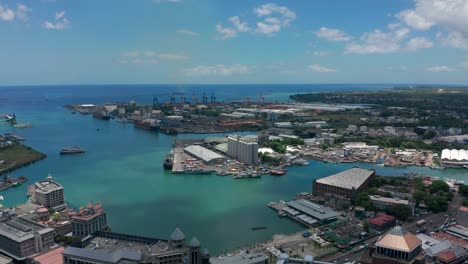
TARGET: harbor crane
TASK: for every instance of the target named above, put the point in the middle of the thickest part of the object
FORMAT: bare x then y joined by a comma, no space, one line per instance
213,98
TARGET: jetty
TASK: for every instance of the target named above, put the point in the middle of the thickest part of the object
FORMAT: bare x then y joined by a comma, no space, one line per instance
8,182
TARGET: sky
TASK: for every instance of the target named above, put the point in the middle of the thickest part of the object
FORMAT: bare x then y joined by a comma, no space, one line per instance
243,41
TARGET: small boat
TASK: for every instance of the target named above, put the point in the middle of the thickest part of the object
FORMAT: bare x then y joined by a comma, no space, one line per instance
72,150
278,172
259,228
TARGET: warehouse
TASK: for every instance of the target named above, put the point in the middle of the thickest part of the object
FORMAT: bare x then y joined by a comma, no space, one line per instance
454,157
346,183
310,213
206,155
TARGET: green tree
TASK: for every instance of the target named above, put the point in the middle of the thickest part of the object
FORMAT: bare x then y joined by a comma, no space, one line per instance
439,185
463,190
366,226
401,211
465,202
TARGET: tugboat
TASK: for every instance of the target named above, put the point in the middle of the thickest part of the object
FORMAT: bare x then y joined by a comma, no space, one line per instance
148,124
72,150
168,162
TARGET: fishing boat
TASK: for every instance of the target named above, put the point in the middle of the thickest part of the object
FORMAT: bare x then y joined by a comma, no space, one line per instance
72,150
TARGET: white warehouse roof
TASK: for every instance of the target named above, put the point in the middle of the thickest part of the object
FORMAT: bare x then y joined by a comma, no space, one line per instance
454,154
203,153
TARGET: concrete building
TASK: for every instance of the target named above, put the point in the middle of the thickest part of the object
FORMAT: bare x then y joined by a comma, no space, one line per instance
5,260
384,203
88,220
206,155
462,216
21,238
347,183
243,150
114,248
397,246
49,193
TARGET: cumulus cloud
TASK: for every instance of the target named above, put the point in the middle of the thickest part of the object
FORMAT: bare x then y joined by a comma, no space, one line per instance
60,22
150,57
419,43
269,19
321,69
441,68
448,15
216,70
187,32
21,12
331,34
381,42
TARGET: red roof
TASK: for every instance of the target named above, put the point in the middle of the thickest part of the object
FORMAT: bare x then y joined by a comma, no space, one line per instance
446,256
51,257
464,209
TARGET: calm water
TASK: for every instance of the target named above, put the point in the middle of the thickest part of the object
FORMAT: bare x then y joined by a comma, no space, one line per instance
123,166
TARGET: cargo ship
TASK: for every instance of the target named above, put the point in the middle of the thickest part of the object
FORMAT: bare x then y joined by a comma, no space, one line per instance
145,124
72,150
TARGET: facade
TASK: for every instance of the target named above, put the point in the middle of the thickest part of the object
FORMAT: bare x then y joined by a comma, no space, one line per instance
384,203
88,220
347,183
21,238
462,216
243,150
114,248
398,246
49,193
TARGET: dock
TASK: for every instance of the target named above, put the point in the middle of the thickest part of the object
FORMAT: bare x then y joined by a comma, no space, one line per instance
9,182
14,137
180,157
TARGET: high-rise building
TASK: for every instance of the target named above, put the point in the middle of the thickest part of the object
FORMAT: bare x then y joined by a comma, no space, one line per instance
243,150
88,220
49,193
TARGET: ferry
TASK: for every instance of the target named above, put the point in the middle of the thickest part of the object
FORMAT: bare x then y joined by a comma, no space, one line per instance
72,150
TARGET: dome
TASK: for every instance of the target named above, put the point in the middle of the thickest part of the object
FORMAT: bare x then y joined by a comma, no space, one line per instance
194,242
177,235
206,252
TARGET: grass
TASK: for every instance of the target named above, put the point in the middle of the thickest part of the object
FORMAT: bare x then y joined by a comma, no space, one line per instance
18,155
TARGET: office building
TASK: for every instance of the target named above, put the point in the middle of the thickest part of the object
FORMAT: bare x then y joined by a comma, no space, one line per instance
49,193
21,238
243,150
346,183
88,220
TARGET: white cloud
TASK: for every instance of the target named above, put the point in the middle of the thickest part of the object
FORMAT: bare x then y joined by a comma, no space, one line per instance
275,18
465,63
150,57
60,22
217,70
226,33
22,12
6,14
379,42
448,15
321,69
240,26
267,28
321,53
187,32
419,43
331,34
441,68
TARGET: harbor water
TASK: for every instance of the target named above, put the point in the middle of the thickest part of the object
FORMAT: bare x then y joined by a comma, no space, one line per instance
122,167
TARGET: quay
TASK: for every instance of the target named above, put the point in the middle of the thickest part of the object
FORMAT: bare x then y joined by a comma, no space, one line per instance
9,182
14,137
305,212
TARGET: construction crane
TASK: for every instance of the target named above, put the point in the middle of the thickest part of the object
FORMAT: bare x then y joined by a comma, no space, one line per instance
205,98
213,97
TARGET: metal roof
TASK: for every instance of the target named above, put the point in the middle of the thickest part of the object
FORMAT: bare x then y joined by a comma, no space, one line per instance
314,210
203,153
348,179
110,257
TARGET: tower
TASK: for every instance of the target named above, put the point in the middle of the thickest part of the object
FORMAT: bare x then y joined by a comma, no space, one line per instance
195,254
177,238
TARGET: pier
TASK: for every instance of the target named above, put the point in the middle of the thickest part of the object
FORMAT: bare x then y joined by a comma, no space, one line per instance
9,181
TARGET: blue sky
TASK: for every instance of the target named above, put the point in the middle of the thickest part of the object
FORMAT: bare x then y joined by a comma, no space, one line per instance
208,41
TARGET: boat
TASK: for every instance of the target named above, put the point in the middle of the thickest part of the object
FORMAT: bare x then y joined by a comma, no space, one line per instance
146,124
259,228
22,125
101,115
276,172
168,162
72,150
282,214
16,184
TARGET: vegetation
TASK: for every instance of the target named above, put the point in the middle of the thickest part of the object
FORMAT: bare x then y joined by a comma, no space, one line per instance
18,155
400,211
465,202
435,196
463,190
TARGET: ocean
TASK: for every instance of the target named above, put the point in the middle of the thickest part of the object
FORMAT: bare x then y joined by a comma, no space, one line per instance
123,170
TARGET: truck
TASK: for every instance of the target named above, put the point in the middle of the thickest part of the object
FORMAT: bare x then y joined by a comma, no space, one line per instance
421,222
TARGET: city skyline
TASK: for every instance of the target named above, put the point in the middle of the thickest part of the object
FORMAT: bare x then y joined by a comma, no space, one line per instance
209,42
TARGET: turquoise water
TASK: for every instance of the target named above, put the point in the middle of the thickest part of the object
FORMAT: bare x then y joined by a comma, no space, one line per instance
123,170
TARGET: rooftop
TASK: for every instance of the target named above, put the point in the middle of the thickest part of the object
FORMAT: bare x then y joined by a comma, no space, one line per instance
89,212
240,259
47,185
108,257
348,179
388,200
399,239
316,211
19,229
203,153
51,257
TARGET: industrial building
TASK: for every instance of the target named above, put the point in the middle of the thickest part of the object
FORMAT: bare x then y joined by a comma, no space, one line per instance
49,193
384,203
454,157
397,246
309,213
243,150
462,216
206,155
21,238
346,183
88,220
114,248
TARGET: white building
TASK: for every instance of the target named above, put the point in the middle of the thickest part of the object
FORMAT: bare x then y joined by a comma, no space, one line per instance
454,157
49,193
243,150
